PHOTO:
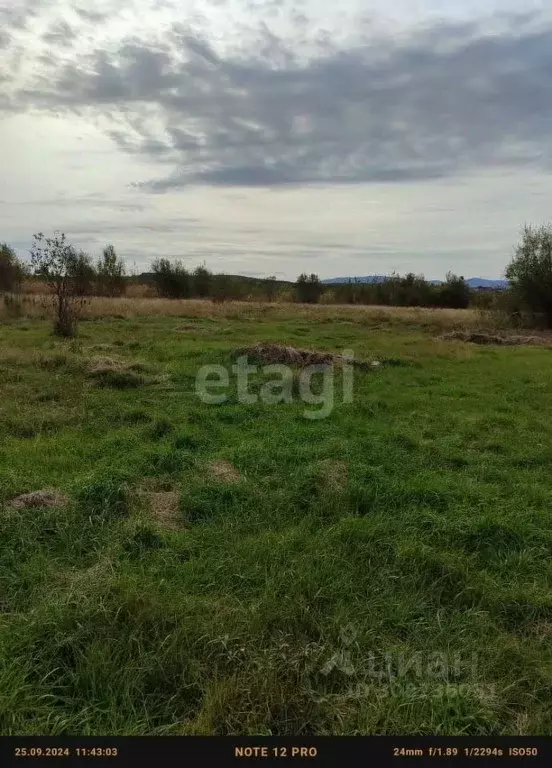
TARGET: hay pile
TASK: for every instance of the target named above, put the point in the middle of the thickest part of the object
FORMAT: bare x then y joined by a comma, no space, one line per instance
165,508
99,366
36,499
489,338
267,353
118,374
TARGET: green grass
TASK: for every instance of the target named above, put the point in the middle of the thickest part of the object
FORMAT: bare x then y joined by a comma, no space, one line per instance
384,570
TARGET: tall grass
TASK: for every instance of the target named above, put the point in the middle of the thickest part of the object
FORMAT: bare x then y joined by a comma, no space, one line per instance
97,307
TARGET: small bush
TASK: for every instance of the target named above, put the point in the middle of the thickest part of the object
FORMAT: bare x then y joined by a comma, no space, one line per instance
530,272
57,262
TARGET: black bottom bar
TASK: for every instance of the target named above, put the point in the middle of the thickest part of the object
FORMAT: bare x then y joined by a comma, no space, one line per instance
232,750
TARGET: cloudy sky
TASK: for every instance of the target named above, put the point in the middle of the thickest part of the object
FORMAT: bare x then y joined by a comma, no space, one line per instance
278,136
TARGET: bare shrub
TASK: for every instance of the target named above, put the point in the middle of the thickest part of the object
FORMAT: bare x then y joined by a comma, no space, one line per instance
58,263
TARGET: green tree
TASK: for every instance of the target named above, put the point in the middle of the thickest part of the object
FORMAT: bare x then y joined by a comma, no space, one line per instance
202,281
12,270
271,288
56,261
530,271
84,274
170,278
111,273
308,288
454,292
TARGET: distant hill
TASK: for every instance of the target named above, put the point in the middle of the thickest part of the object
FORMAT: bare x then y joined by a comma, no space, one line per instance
473,282
481,282
365,279
147,277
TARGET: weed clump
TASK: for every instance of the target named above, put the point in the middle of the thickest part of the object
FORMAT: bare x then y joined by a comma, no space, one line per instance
166,463
116,374
104,498
161,428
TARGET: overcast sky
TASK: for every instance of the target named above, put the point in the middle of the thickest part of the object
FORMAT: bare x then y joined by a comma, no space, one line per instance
278,136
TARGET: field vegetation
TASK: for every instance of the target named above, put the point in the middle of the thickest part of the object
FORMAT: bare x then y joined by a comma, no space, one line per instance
239,569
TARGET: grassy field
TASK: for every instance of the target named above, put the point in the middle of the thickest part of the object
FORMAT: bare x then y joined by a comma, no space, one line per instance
39,306
234,568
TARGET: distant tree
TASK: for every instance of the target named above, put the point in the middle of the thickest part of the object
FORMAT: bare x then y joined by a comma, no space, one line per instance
530,271
202,281
454,292
308,288
271,288
225,287
84,274
111,273
56,261
12,270
170,278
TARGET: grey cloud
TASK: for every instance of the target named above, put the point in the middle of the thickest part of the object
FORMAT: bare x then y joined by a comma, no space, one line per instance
18,16
94,200
94,17
195,45
60,34
451,98
172,225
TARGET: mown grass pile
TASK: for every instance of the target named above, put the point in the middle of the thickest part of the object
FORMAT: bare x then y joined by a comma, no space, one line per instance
238,568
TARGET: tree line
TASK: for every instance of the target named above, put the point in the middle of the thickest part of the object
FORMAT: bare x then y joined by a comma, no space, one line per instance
105,277
72,275
408,291
57,263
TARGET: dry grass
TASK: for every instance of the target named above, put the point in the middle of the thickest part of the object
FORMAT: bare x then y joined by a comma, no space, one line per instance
140,291
37,499
510,340
436,319
268,353
35,288
118,374
334,473
224,471
165,508
101,365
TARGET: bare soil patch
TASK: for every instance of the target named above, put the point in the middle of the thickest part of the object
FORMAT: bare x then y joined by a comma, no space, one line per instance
334,474
37,499
165,508
224,471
